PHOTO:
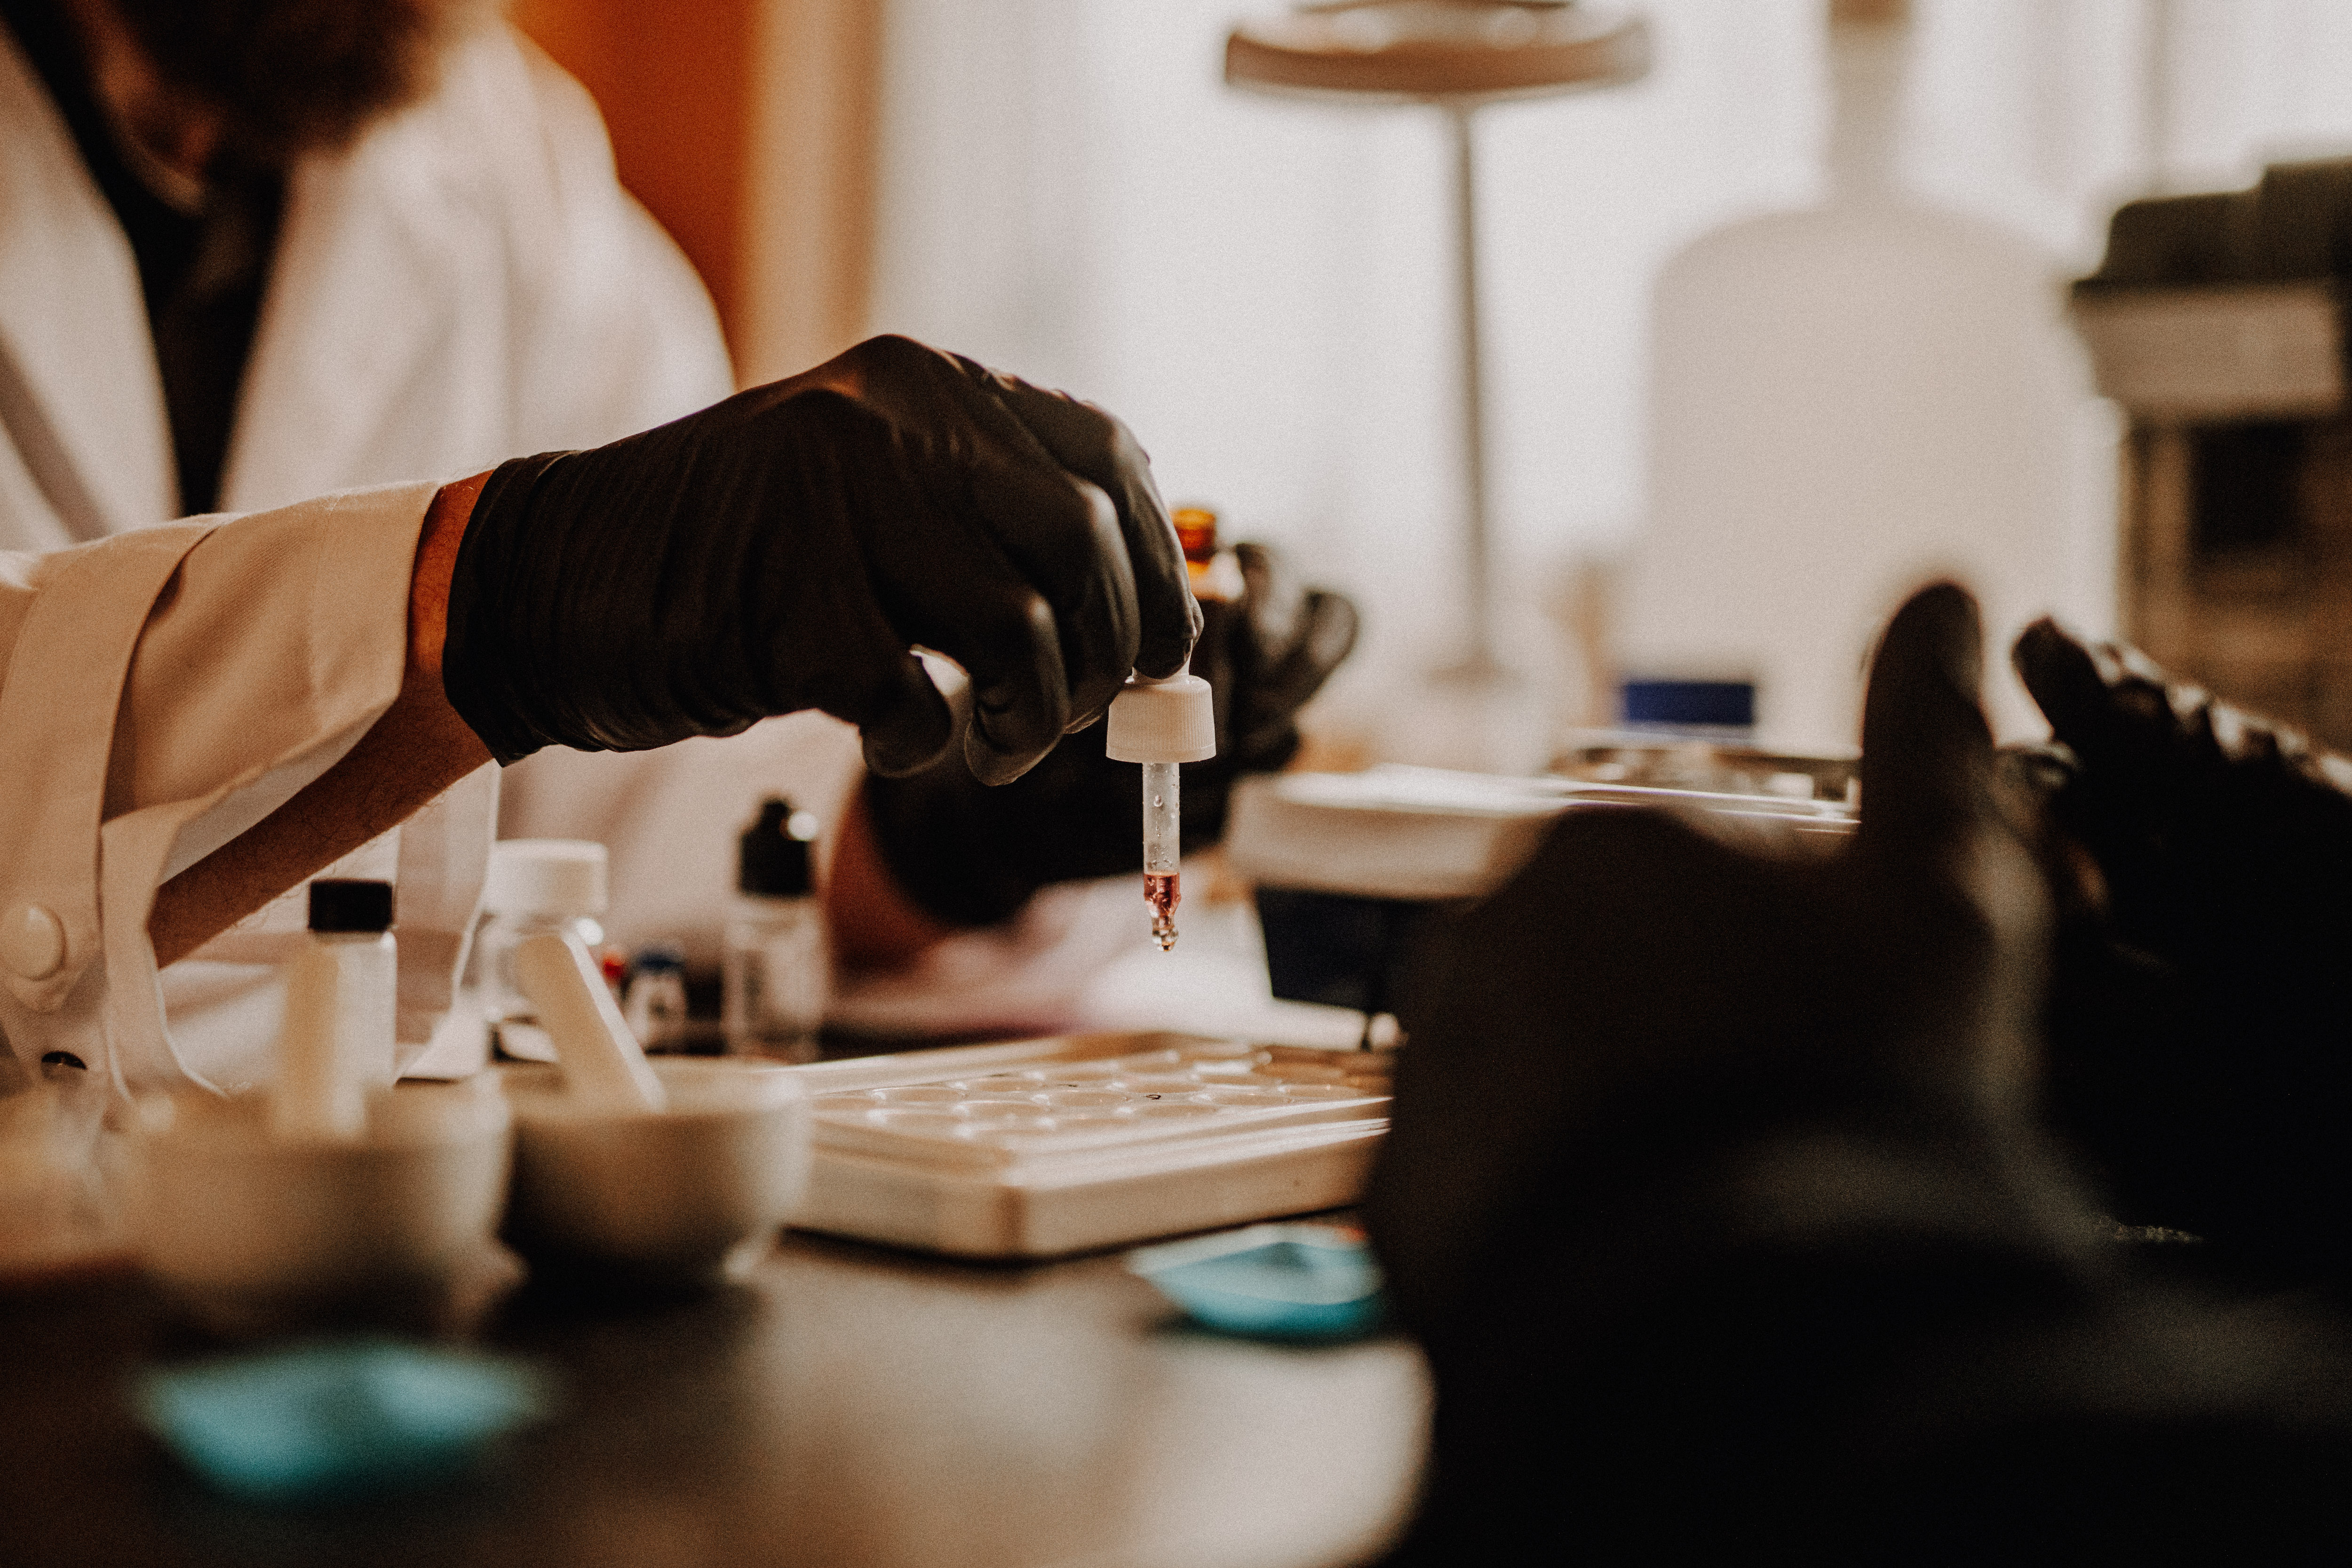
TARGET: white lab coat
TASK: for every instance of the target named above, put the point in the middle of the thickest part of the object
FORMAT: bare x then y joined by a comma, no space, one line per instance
465,283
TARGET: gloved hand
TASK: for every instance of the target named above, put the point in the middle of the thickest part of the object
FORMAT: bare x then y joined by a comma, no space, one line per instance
1700,1135
970,856
782,549
1647,996
2200,1025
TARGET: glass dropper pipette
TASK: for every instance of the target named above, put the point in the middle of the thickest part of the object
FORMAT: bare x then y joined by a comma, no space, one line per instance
1161,723
1162,847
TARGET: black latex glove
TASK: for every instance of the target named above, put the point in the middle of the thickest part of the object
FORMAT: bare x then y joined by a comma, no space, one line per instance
972,856
2201,1046
1646,990
782,550
1697,1128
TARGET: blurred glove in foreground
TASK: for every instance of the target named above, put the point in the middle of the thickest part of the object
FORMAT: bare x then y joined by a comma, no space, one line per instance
1716,1193
784,549
972,856
1710,1151
1646,986
2201,1022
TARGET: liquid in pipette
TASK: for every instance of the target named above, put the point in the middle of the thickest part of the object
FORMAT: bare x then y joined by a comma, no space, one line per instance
1160,890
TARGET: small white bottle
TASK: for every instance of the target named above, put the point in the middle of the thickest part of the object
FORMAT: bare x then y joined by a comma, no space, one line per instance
535,886
335,1045
776,971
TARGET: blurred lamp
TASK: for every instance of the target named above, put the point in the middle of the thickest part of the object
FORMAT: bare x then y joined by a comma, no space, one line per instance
1457,55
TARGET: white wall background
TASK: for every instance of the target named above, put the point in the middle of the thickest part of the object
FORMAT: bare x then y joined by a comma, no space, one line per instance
1261,287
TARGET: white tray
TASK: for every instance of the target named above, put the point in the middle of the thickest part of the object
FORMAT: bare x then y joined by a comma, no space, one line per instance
1041,1148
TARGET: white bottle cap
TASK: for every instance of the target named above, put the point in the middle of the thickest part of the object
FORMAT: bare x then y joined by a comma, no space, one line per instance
560,877
1170,721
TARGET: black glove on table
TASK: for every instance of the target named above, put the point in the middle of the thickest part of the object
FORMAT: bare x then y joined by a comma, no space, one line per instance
782,549
971,856
2201,1046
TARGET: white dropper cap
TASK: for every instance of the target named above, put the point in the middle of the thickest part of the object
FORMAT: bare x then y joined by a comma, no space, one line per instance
560,879
1170,721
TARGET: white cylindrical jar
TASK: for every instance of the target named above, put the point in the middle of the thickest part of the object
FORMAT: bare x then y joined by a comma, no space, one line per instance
535,886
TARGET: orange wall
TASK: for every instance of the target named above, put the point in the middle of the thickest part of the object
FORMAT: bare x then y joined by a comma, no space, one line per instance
674,79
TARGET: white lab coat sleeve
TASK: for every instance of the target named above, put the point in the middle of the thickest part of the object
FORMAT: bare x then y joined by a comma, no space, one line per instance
160,678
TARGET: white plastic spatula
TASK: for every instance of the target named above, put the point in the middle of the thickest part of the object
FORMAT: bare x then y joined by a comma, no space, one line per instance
604,1068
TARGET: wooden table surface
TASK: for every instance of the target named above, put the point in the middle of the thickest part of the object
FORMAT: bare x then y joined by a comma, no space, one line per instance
843,1404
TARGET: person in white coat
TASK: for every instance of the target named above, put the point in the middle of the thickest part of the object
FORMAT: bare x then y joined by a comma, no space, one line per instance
407,258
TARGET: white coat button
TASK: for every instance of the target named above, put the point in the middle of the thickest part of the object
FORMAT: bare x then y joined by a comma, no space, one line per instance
32,942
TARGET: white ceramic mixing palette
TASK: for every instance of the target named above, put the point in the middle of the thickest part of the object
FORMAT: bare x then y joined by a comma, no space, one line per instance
1201,1091
1088,1142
